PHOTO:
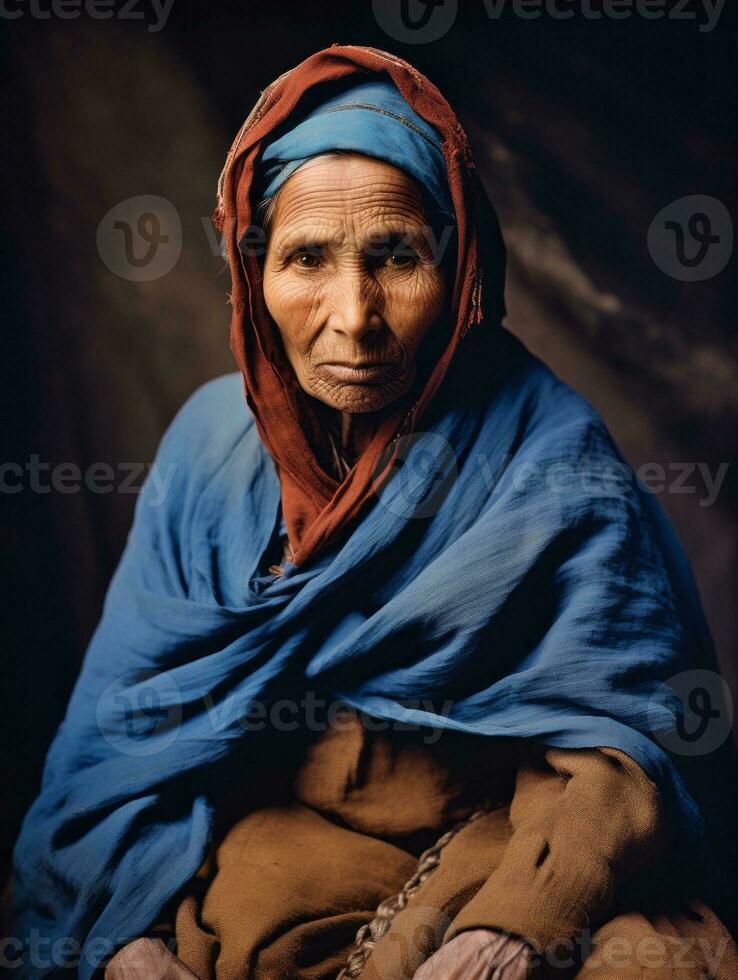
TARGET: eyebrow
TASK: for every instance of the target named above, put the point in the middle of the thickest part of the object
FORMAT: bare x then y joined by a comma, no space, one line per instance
320,239
395,233
302,237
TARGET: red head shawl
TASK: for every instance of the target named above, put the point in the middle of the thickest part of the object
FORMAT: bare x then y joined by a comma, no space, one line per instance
316,507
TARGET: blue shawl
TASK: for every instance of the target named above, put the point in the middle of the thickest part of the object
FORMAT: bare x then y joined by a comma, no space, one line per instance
507,581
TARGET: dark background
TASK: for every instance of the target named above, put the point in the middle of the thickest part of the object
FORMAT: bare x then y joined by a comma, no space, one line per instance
583,130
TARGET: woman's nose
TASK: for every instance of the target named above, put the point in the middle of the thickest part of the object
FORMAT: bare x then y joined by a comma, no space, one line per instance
356,311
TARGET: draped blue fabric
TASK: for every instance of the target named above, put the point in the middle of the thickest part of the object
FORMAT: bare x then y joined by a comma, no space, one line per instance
368,117
506,581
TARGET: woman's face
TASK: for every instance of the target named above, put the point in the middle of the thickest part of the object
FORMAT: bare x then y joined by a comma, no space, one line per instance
352,280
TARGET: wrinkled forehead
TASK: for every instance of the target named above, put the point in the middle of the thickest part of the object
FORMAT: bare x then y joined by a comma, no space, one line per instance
350,191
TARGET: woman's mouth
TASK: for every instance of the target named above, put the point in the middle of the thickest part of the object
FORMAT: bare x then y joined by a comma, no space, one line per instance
359,373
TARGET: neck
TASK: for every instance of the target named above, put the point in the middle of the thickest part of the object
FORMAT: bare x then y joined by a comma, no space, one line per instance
357,429
353,431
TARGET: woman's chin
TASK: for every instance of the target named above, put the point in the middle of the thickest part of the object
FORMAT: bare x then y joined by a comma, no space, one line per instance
359,399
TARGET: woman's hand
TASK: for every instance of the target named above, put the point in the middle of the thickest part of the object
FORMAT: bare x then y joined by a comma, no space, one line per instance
479,954
147,959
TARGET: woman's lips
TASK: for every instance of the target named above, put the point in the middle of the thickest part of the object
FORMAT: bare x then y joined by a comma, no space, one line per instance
362,374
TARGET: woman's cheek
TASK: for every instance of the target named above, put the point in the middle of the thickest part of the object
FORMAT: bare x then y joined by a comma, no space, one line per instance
294,305
414,305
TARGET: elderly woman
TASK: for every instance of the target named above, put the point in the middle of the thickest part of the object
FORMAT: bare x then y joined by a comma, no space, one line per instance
377,688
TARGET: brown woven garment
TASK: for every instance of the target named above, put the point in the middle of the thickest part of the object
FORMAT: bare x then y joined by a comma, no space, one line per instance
369,935
369,851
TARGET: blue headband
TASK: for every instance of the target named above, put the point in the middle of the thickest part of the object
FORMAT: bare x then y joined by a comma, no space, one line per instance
370,118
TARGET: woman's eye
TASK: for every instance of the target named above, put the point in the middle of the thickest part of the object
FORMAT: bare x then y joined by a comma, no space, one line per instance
402,259
306,259
401,255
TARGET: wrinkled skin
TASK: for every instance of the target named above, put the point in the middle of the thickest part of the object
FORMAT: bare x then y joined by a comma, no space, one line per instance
479,954
147,959
352,277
